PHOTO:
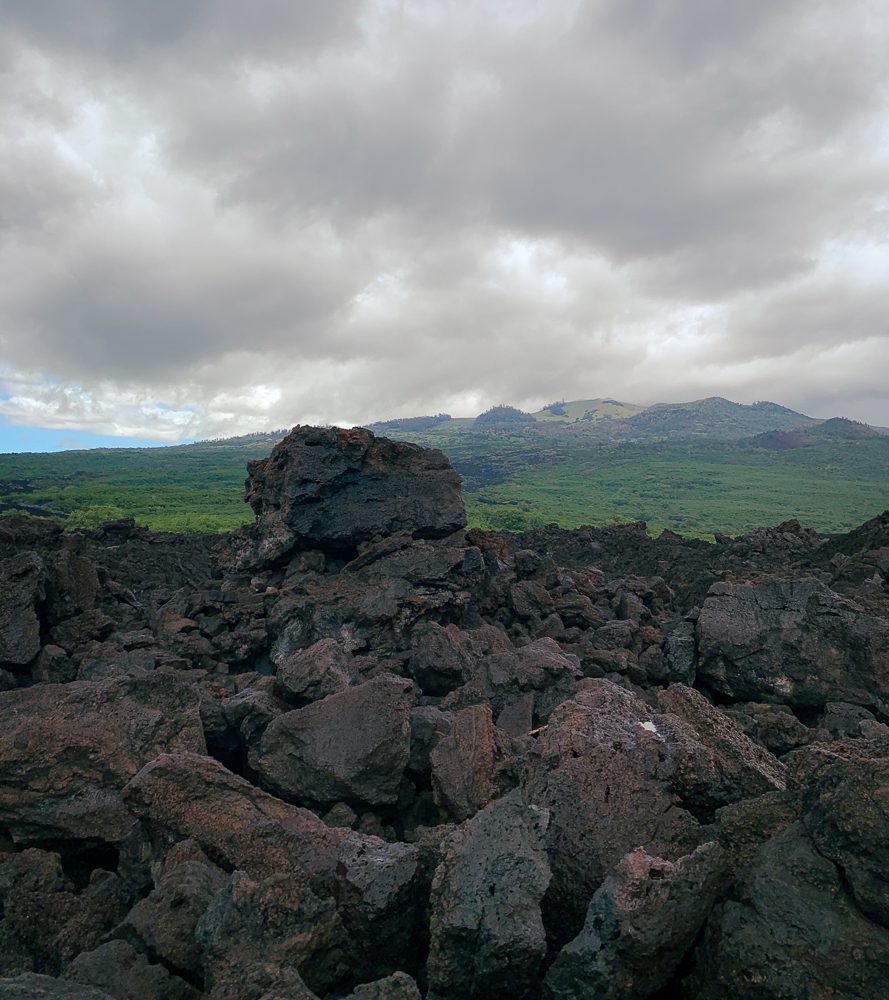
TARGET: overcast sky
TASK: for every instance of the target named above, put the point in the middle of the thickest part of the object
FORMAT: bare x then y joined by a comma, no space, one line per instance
219,216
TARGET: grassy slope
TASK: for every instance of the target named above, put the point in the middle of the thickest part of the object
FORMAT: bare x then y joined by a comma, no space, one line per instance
512,481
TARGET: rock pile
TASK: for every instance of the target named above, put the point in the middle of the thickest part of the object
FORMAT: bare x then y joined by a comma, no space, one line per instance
356,751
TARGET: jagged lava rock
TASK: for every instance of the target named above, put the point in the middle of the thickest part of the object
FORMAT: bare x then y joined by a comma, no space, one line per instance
237,824
487,935
640,923
792,641
29,986
789,930
351,746
67,750
333,489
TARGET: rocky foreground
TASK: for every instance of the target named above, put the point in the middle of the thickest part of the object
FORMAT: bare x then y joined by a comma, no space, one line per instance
356,751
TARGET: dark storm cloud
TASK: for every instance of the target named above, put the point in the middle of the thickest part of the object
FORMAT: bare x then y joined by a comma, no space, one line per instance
360,209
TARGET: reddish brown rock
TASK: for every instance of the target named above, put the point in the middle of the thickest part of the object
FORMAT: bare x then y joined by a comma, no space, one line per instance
67,750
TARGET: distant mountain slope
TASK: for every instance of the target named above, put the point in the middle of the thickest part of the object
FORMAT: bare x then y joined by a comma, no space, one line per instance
835,430
715,417
612,420
587,411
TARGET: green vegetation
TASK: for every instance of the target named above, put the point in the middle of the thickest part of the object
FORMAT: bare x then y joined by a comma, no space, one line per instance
831,475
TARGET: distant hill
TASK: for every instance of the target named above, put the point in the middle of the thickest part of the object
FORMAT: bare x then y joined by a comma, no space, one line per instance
834,430
613,420
697,467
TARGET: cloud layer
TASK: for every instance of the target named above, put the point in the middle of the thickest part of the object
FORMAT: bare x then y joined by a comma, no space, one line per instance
218,217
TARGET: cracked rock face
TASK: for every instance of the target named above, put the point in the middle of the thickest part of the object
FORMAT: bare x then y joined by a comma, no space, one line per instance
356,751
334,489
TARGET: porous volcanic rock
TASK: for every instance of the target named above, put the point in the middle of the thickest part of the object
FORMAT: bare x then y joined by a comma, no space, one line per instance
334,489
789,930
67,750
22,585
844,792
352,746
238,825
29,986
487,936
639,924
792,641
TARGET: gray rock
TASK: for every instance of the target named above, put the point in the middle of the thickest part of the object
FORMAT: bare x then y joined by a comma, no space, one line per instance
540,668
22,585
468,763
789,931
844,791
352,746
311,674
398,986
639,925
794,642
125,974
487,936
164,922
334,489
256,936
29,986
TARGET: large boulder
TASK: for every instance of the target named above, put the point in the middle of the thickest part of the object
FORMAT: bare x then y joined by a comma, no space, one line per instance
487,935
238,825
333,489
617,775
639,925
259,936
22,586
44,920
844,791
67,750
789,930
126,974
164,922
794,642
351,746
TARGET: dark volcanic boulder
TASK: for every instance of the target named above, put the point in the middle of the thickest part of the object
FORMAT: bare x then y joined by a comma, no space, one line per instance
164,922
617,775
186,795
256,936
22,585
352,746
790,930
640,923
844,790
333,489
487,936
792,641
32,987
125,974
67,750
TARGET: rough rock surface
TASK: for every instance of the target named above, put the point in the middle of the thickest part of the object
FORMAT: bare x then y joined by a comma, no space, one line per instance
334,489
487,935
351,746
67,750
792,641
639,924
356,751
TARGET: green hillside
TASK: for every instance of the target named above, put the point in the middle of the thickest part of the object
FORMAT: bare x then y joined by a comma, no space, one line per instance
695,468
